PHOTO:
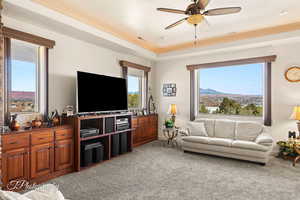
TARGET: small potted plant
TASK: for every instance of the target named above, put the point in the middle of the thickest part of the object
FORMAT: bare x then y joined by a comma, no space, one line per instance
169,123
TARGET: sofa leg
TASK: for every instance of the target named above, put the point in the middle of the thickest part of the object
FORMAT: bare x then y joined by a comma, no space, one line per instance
262,164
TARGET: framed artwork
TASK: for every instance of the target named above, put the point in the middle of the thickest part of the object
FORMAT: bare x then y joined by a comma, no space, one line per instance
169,90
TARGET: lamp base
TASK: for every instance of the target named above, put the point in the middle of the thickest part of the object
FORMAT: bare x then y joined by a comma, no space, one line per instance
298,123
173,118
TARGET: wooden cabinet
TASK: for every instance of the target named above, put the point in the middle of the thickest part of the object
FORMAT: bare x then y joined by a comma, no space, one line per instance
145,129
37,155
41,160
15,141
64,151
15,165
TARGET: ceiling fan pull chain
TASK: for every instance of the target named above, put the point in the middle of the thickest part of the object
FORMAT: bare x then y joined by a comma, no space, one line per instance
195,43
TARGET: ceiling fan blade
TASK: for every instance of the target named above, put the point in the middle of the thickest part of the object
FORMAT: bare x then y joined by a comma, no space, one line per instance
171,10
176,23
222,11
202,4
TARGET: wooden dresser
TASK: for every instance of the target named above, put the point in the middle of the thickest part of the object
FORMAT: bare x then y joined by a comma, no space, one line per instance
37,155
145,129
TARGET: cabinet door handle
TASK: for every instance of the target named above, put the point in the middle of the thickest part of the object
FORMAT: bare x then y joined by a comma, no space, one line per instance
15,142
41,138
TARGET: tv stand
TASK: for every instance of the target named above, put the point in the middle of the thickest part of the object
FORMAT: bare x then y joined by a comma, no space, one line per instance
106,124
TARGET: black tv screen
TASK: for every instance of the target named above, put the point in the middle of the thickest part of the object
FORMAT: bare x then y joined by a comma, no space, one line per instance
98,93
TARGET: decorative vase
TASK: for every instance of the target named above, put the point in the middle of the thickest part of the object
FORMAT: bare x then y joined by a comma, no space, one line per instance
55,121
14,125
37,123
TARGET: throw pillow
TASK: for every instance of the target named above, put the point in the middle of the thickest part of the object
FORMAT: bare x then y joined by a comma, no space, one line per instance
45,192
197,129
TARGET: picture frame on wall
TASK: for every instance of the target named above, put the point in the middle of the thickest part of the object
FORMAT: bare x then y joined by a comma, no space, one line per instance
169,90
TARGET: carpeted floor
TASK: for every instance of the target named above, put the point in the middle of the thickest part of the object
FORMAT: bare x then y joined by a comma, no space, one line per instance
154,172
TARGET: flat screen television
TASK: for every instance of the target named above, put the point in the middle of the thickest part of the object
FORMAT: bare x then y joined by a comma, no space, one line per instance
99,93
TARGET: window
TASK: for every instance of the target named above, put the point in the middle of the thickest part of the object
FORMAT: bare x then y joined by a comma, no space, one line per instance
134,91
232,90
24,76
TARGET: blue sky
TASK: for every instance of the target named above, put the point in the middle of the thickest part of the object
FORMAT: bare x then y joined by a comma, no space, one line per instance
244,79
133,84
23,76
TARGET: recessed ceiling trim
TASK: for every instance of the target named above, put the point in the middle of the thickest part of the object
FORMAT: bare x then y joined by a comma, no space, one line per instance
75,14
232,37
155,47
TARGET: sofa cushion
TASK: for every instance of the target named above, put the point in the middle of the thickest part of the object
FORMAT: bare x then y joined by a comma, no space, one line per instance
221,142
197,128
249,145
209,125
248,131
196,139
224,128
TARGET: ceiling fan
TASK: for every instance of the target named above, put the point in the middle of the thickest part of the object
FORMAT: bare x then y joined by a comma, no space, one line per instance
196,13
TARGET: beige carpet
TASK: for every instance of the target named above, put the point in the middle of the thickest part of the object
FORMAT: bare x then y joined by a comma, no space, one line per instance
154,172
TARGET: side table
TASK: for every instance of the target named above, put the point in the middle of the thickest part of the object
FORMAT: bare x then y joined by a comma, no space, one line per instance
171,134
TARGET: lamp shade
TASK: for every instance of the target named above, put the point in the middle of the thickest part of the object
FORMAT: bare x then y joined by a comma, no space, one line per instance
296,113
172,109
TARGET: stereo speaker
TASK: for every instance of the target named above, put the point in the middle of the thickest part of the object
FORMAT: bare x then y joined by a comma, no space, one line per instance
123,143
109,124
115,145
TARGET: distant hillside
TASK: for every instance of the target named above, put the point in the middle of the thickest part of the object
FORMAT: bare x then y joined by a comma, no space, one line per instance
21,95
210,91
133,92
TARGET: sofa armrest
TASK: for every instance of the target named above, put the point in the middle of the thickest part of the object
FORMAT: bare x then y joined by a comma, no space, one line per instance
264,139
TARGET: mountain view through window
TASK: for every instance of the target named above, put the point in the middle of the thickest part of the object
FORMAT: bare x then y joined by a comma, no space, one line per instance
233,90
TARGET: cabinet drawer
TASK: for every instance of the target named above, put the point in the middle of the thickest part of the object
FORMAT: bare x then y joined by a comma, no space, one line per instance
134,122
143,120
63,134
41,137
10,142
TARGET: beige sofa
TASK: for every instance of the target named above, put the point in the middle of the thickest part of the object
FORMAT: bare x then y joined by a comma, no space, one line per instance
228,138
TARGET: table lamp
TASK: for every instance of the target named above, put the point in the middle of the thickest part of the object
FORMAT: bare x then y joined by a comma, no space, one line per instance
173,111
296,116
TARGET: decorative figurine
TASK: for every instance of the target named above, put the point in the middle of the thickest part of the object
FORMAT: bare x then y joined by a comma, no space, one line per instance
68,111
37,123
151,103
14,125
292,134
54,118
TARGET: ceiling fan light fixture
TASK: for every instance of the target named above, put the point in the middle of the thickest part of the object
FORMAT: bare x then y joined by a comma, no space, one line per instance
195,19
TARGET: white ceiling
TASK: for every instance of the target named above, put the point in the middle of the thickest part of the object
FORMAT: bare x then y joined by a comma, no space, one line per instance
140,17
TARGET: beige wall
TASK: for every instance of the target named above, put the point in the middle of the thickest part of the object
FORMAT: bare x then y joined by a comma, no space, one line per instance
70,55
284,94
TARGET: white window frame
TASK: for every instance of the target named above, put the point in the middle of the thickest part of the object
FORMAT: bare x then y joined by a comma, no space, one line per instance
141,91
